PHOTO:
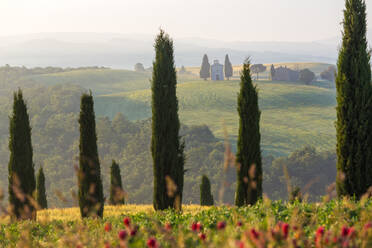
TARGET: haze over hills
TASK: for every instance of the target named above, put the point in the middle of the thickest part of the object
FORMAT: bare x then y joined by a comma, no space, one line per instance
124,50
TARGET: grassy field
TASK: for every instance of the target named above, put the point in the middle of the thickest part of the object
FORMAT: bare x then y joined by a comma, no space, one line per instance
102,81
293,115
267,224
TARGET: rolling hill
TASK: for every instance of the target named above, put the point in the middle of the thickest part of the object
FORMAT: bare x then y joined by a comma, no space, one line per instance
292,115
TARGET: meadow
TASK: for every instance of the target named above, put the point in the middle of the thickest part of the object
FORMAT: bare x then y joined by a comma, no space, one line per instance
293,115
331,223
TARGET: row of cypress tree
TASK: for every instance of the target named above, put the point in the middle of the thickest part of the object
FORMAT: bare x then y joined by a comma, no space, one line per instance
26,194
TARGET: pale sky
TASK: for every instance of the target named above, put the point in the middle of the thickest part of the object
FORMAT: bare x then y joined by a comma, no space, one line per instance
231,20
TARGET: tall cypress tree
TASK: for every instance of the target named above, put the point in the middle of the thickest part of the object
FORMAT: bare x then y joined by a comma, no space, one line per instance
272,72
91,200
21,168
116,186
249,169
40,190
206,197
166,148
354,105
228,68
205,70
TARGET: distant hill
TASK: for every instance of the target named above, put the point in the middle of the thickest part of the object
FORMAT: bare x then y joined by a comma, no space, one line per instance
124,50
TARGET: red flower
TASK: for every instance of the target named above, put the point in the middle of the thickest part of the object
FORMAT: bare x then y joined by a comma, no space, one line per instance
202,236
194,226
168,226
221,225
368,226
123,234
151,243
254,234
133,232
344,231
239,244
351,233
319,235
320,231
126,222
108,227
199,226
285,230
239,223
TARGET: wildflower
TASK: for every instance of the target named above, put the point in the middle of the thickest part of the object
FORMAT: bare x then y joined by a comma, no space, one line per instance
319,235
351,233
344,231
123,234
194,227
151,243
221,225
254,234
133,232
239,223
108,227
168,226
202,236
239,244
368,226
285,230
320,231
126,222
199,226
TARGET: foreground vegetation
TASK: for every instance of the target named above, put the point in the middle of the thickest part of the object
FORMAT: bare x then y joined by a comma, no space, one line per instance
267,224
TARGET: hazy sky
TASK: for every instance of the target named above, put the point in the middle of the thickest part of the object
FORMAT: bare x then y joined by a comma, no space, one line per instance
253,20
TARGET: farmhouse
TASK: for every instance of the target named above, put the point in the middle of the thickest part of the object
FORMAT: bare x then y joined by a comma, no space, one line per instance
285,74
217,71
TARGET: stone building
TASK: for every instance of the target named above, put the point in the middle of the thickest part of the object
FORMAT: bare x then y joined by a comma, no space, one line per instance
285,74
217,71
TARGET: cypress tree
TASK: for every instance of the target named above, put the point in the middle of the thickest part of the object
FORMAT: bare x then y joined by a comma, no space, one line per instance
228,68
205,70
91,200
206,197
166,148
116,186
354,104
21,168
272,72
249,169
40,190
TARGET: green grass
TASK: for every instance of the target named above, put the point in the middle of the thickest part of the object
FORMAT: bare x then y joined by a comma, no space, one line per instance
293,115
346,224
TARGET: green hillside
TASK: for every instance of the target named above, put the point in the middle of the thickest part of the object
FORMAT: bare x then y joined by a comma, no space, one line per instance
100,81
292,115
